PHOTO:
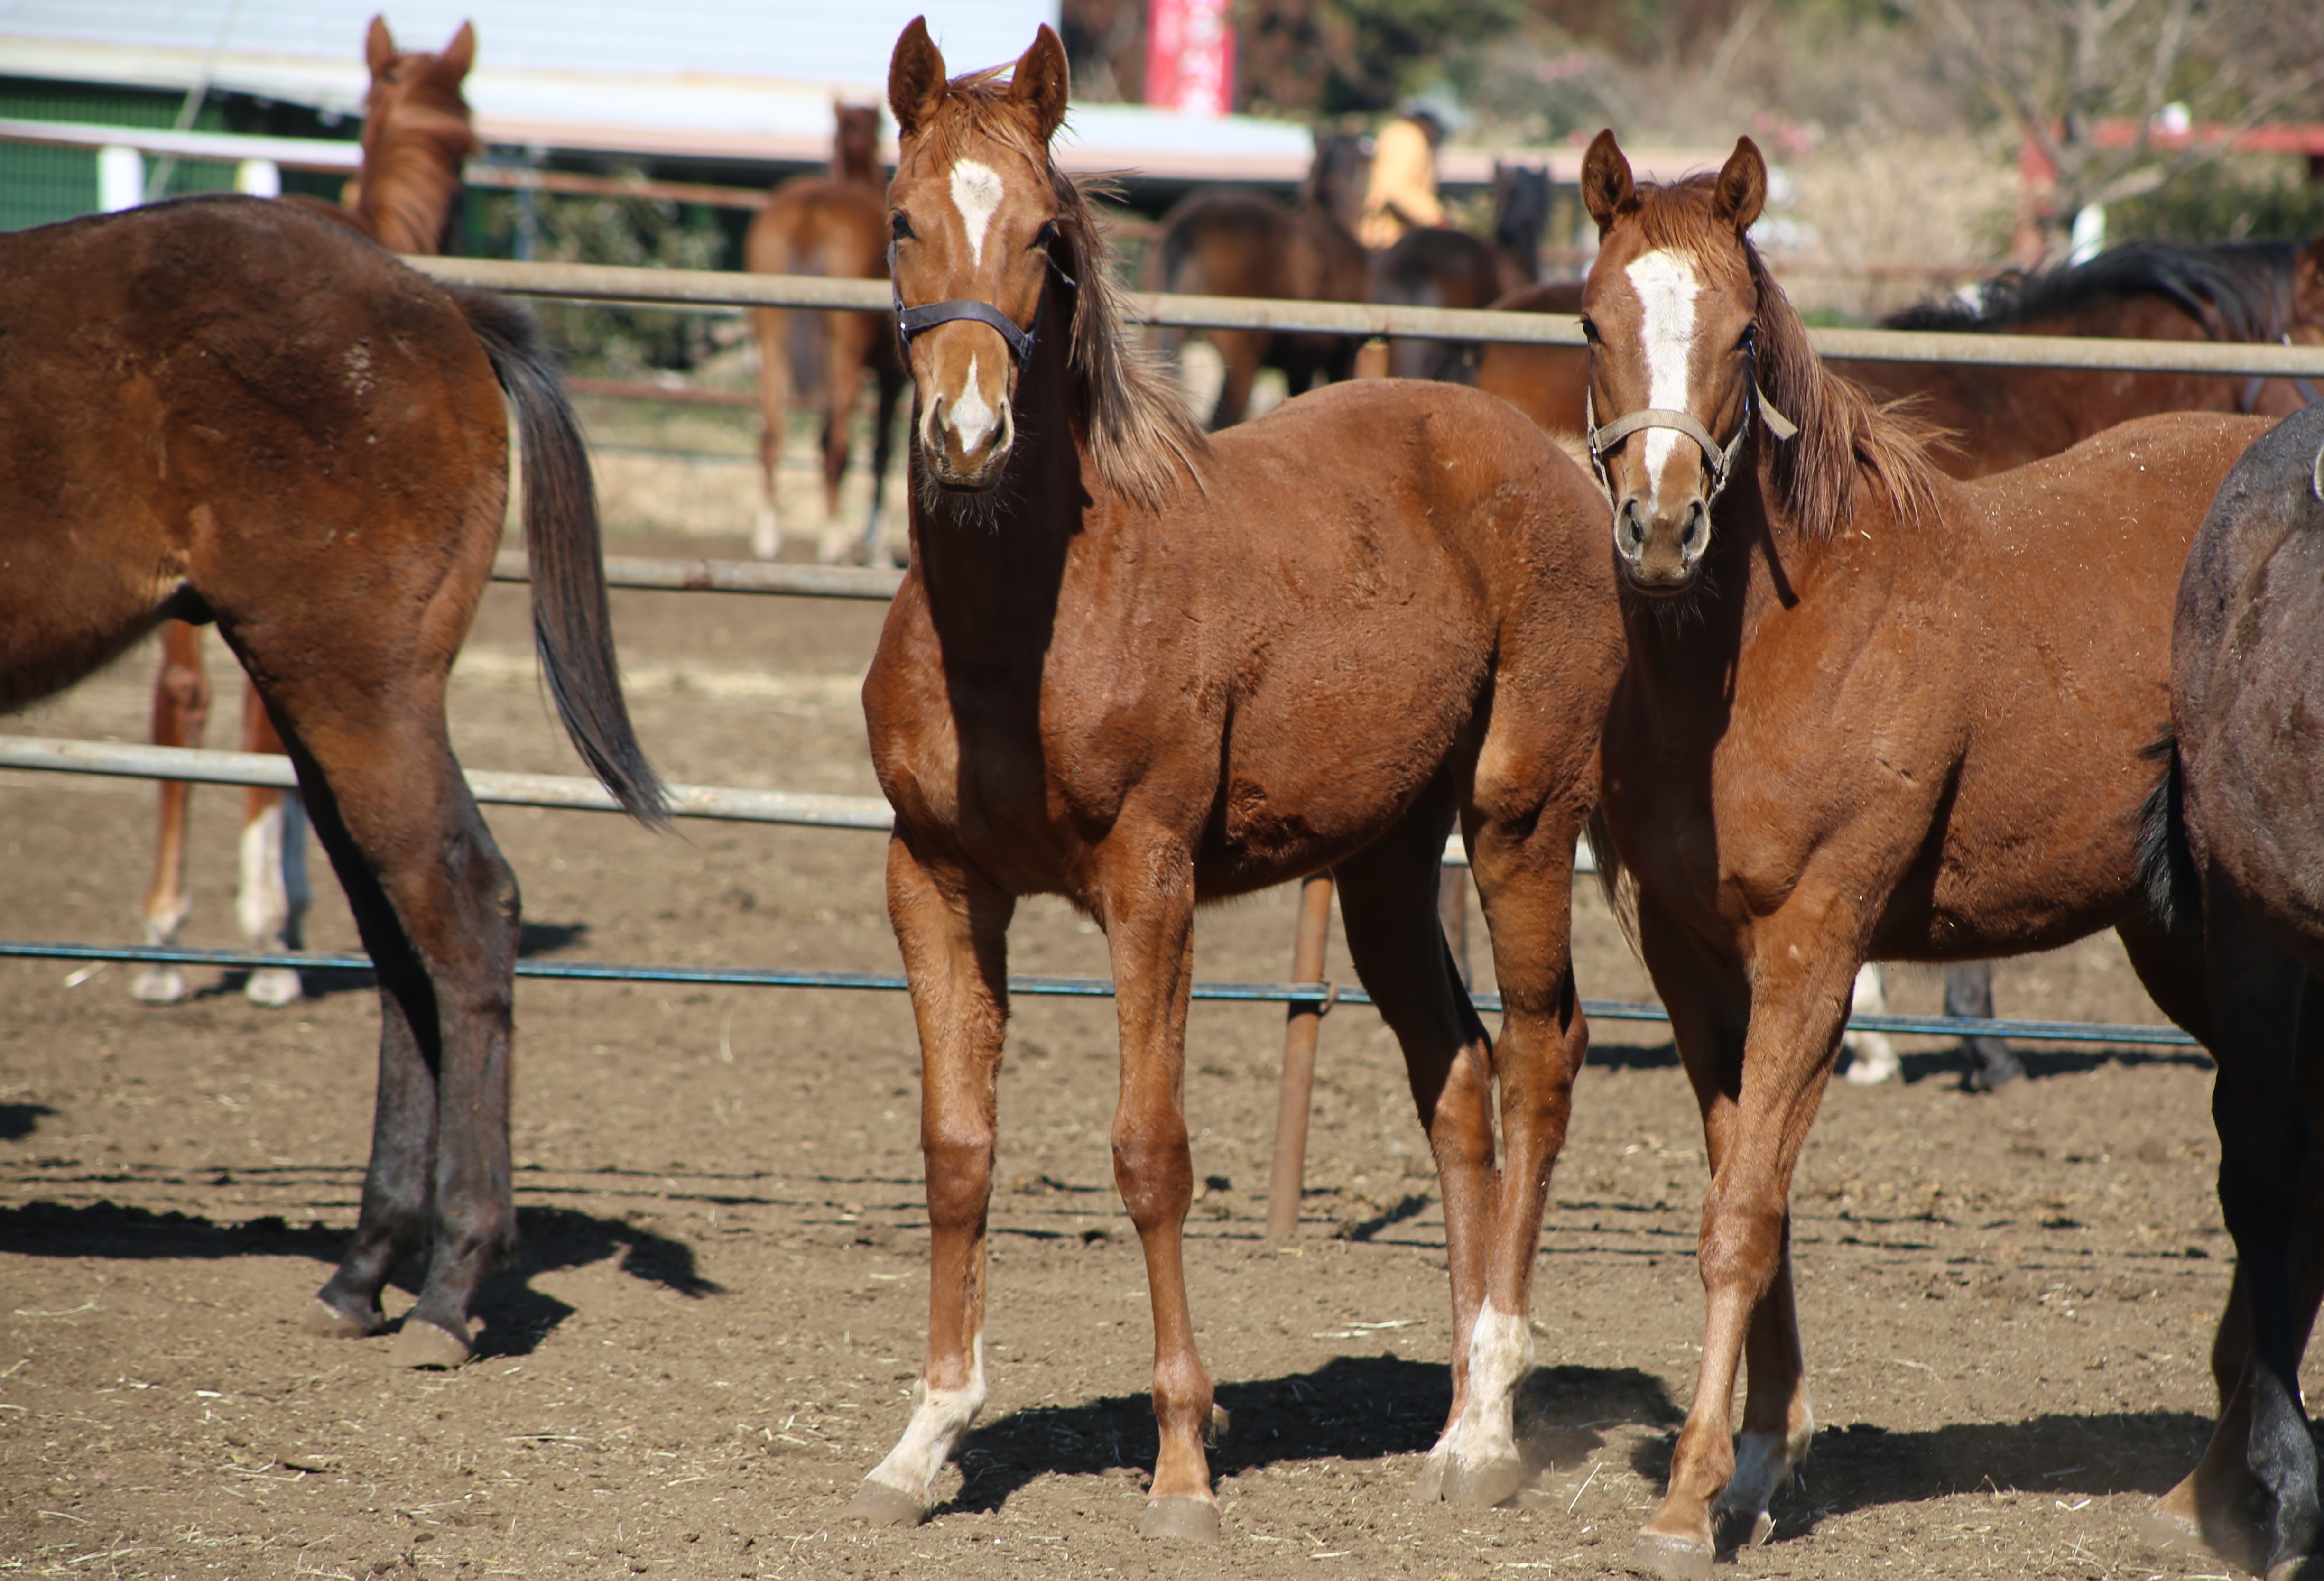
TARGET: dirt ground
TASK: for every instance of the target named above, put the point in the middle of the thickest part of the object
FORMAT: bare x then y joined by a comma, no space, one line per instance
720,1307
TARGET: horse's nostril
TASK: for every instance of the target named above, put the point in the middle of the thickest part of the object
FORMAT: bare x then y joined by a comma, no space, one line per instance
1698,529
1629,533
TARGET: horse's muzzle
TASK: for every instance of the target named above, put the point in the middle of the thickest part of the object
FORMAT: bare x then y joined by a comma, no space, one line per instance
1660,551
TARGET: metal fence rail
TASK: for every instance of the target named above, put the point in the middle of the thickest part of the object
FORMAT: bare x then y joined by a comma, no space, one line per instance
1321,995
707,288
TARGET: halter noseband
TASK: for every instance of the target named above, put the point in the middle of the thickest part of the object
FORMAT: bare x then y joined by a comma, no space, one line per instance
910,321
1720,458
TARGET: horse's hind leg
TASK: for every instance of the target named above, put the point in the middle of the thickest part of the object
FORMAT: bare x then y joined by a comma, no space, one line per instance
436,907
182,707
773,325
1388,899
272,901
842,389
883,453
2267,1019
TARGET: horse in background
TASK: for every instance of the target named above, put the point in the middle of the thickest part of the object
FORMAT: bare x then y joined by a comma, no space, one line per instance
417,135
224,409
2246,665
1231,242
833,224
1146,669
1868,711
1438,266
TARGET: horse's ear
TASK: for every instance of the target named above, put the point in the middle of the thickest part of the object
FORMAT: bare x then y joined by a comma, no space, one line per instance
1041,81
461,53
916,77
378,45
1741,191
1607,187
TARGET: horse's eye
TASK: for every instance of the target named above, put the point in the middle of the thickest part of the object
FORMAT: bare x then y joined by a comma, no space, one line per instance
1588,330
899,226
1046,234
1744,341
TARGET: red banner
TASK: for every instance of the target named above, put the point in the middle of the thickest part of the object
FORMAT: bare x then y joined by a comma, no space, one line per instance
1190,49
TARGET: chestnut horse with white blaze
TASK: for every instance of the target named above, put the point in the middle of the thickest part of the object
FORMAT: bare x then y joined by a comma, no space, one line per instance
417,133
228,410
1869,712
1144,670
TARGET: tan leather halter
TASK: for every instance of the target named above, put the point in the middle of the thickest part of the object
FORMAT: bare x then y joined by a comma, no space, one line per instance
1720,458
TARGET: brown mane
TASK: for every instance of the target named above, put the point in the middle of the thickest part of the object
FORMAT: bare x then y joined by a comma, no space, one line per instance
1135,426
1845,436
415,143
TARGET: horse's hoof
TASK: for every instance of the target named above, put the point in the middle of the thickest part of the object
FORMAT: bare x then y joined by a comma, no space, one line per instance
422,1344
1671,1558
1428,1488
1182,1516
159,985
329,1323
274,988
1739,1529
1489,1482
876,1503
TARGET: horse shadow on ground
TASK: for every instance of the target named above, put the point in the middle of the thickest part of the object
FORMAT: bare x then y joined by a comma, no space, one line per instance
2041,1063
326,982
515,1316
20,1120
1352,1407
2061,1457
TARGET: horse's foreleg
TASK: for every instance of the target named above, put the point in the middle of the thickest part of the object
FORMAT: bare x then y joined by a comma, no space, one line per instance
271,901
774,413
1757,1110
953,934
1386,898
1151,938
182,707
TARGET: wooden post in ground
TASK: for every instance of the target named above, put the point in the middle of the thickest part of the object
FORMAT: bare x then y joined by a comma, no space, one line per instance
1300,1032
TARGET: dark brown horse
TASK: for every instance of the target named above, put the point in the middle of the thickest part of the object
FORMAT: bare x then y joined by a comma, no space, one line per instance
1437,266
833,224
417,135
1143,671
229,410
2245,671
1227,241
1869,712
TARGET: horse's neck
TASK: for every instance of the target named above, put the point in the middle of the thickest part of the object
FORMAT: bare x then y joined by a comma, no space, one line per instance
994,565
1758,562
852,171
411,179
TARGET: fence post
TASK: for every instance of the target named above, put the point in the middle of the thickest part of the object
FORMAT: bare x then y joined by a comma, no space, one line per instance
1300,1026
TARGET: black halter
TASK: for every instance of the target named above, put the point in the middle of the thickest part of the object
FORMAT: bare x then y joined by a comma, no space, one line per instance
910,321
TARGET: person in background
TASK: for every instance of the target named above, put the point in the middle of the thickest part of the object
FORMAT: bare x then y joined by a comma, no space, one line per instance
1402,194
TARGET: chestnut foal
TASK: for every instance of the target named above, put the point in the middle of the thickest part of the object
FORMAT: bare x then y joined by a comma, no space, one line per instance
1144,670
1869,712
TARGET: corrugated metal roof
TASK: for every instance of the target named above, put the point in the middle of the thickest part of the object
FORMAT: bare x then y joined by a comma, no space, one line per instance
845,45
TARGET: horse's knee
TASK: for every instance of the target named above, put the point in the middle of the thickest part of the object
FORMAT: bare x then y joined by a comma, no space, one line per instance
1155,1174
959,1180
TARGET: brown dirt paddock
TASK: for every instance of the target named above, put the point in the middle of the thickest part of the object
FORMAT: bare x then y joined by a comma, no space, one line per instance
718,1315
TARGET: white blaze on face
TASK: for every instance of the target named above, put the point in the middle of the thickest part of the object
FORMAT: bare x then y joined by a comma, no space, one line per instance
976,194
1666,285
970,418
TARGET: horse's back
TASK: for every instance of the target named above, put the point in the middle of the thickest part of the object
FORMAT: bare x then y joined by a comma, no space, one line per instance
205,395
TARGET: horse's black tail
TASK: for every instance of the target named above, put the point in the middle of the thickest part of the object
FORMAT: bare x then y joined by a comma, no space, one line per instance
2166,862
572,628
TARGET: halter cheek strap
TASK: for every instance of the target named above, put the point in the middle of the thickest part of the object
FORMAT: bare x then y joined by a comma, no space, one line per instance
911,321
1720,458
